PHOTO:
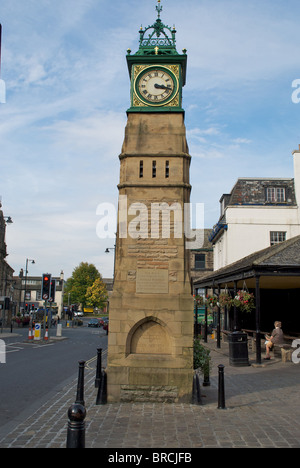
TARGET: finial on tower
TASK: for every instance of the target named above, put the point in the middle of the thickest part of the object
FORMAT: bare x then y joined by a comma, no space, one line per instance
159,8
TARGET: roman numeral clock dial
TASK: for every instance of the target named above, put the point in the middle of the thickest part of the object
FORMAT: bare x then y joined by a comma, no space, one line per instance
156,86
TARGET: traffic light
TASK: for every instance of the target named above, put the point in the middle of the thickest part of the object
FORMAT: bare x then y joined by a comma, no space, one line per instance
26,307
46,286
52,291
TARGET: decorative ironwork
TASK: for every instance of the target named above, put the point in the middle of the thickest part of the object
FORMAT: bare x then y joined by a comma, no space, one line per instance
158,38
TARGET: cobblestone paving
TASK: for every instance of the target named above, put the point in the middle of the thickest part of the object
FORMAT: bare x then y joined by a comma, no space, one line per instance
262,410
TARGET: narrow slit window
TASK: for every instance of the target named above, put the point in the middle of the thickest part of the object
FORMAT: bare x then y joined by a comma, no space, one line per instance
154,169
167,169
141,169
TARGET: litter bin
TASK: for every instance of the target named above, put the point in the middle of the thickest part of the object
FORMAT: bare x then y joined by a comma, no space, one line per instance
238,349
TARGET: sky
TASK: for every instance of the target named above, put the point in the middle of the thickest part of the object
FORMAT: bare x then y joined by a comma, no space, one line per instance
68,89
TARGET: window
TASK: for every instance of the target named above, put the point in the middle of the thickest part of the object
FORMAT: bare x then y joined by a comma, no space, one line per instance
28,296
277,236
31,282
141,169
276,194
167,169
39,296
200,262
153,169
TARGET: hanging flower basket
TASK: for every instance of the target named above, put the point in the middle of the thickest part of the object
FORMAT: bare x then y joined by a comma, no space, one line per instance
244,301
212,301
225,300
21,321
199,301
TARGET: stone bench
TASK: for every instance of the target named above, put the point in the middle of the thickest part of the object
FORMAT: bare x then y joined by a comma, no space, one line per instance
283,351
225,334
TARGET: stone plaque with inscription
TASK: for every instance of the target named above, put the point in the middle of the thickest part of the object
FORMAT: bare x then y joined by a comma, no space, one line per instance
151,281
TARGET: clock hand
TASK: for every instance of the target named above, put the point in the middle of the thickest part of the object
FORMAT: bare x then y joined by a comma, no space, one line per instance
157,86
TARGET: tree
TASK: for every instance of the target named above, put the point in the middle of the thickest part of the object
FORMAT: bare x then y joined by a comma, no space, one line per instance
96,295
82,278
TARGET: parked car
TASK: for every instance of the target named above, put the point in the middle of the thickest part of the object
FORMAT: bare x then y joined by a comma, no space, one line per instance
94,323
78,314
105,325
102,320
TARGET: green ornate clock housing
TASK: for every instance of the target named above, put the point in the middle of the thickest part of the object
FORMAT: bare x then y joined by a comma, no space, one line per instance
157,71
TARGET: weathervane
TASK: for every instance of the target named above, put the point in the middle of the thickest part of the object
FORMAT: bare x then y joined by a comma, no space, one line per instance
159,8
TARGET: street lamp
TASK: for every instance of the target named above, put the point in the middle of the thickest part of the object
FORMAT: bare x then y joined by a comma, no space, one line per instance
8,219
26,273
107,251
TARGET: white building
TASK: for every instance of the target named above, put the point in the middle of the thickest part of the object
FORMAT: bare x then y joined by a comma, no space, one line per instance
28,294
256,214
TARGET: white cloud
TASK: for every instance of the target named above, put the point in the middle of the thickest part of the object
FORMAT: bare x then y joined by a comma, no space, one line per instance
208,153
238,42
102,132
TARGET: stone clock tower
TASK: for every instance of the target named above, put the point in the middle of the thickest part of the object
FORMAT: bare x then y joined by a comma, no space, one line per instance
150,342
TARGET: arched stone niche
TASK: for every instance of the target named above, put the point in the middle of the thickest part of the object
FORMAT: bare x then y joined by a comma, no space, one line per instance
149,336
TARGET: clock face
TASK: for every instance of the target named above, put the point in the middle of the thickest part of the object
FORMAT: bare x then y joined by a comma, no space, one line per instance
156,86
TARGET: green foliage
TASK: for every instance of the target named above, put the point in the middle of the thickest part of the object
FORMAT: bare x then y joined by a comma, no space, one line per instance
201,357
83,277
96,295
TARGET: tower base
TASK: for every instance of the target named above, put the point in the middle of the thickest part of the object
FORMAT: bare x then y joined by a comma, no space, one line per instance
150,355
159,385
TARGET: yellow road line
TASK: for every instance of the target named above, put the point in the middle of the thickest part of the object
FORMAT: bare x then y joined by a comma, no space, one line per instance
90,361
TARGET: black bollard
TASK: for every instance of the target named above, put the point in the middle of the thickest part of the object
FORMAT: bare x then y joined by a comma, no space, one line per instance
102,390
194,394
80,384
99,368
76,426
206,380
221,390
196,390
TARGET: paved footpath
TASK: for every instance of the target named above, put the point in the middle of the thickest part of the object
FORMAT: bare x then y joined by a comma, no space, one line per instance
262,411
